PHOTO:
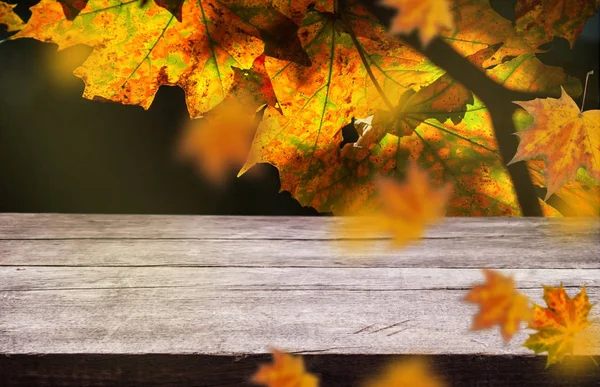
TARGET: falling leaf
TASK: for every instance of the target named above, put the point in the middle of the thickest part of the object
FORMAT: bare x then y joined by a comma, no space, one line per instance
404,210
563,136
407,373
9,18
540,20
220,141
499,304
285,371
563,327
428,16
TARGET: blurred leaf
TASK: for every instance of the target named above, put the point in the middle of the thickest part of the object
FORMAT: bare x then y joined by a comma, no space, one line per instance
429,17
285,371
499,304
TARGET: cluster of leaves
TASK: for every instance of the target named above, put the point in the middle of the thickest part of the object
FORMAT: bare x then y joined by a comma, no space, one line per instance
562,327
300,71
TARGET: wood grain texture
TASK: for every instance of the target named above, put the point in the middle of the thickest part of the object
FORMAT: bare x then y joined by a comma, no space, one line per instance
233,286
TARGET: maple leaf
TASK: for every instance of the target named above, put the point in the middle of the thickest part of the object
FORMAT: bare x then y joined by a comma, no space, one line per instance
220,141
561,325
428,16
500,304
540,20
563,136
9,18
478,26
317,101
136,50
409,207
580,197
402,209
407,373
286,371
513,62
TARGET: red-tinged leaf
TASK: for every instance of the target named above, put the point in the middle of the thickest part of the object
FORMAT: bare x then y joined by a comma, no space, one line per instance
563,327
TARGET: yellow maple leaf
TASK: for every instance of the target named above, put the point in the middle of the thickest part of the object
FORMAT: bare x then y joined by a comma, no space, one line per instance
428,16
285,371
9,18
408,373
563,136
500,303
220,141
563,327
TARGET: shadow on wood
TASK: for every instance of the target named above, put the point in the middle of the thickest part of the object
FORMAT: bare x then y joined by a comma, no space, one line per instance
334,370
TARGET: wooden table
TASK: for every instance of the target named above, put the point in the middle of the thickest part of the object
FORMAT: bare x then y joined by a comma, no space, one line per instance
135,300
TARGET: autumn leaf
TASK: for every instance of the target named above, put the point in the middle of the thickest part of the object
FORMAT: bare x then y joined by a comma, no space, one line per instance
285,371
499,304
541,20
478,27
317,101
9,18
220,141
429,17
512,63
410,207
563,327
403,210
580,197
407,373
563,136
138,49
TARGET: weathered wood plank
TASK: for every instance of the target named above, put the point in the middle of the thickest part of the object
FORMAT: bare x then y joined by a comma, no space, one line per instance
78,226
493,252
237,311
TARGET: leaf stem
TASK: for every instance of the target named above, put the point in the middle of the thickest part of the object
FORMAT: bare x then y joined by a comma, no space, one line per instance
587,77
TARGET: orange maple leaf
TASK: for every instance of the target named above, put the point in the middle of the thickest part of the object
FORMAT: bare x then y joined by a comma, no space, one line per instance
500,303
561,326
405,209
408,373
220,141
286,371
428,16
563,136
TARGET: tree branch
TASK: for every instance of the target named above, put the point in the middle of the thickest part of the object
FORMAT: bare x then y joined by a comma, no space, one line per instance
498,100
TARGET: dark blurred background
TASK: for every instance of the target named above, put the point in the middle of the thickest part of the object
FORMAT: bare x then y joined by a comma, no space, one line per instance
62,153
